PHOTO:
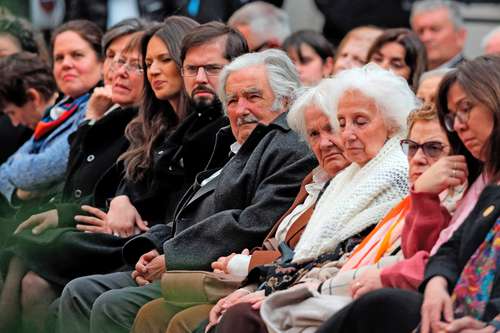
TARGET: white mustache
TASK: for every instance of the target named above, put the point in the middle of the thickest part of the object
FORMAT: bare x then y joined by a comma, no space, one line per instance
248,119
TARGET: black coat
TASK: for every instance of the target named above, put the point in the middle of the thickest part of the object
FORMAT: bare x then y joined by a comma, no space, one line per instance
93,170
239,207
451,258
178,159
94,151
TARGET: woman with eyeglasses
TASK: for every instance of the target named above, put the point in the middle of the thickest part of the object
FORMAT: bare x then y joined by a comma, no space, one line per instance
461,285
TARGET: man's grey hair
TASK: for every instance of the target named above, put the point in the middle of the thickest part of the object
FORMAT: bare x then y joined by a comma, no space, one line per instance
439,72
390,92
281,75
265,21
432,5
307,97
489,36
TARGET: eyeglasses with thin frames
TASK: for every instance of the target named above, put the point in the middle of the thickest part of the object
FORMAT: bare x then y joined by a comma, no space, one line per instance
129,67
461,115
210,69
432,149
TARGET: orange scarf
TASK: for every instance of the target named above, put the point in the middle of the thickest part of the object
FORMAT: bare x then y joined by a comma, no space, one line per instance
381,239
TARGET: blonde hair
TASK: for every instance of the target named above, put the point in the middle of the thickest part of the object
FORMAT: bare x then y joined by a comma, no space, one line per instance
427,112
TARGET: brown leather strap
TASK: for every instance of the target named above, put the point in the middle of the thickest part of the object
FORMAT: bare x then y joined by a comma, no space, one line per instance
295,231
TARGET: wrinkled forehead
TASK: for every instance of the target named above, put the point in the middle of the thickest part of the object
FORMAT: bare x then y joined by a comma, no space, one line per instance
246,80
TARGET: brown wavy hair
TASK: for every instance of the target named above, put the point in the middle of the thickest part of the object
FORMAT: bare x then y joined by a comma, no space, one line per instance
156,117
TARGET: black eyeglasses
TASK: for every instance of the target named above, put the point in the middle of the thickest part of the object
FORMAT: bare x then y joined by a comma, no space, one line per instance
432,149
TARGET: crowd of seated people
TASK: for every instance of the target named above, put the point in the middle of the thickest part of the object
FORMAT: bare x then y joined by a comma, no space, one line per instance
182,177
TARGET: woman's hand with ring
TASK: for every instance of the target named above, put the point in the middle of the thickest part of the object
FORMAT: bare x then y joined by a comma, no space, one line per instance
449,171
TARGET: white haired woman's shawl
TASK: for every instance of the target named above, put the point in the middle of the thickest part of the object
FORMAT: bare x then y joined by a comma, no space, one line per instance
355,199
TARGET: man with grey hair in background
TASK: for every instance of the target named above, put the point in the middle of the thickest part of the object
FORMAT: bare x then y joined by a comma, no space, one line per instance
440,27
491,42
263,25
226,210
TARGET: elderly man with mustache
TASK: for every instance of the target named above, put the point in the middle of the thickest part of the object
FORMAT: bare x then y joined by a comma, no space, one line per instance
225,211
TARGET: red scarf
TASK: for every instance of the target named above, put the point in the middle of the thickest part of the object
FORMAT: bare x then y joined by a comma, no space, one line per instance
46,126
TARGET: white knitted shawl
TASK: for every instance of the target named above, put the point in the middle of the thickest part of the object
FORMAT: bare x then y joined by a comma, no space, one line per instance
355,199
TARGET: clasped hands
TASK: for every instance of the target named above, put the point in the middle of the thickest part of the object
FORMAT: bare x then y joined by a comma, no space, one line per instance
149,267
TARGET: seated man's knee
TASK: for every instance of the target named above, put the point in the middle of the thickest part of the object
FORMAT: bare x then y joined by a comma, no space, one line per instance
74,293
110,305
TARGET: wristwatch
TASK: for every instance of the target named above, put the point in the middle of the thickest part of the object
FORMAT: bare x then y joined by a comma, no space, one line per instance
495,324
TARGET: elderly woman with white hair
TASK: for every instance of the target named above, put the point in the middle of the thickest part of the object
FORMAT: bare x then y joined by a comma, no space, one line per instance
369,107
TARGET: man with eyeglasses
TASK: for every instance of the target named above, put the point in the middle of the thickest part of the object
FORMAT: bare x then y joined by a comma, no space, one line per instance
226,209
204,55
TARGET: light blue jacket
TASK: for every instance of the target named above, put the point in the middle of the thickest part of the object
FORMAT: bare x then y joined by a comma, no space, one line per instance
42,171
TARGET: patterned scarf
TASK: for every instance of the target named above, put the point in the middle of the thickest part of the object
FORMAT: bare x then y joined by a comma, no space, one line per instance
47,124
472,291
64,109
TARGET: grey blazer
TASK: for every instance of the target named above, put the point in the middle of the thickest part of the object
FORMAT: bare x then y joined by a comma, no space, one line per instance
237,209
